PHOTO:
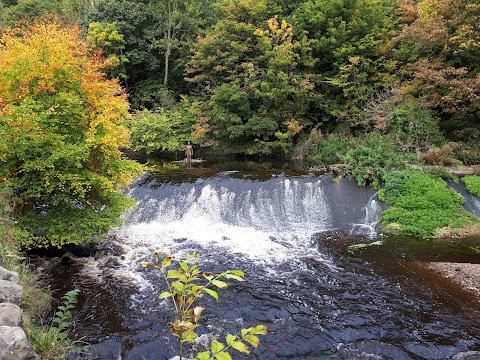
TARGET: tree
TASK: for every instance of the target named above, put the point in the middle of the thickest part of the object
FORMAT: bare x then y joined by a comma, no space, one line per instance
438,46
176,23
253,75
61,126
350,39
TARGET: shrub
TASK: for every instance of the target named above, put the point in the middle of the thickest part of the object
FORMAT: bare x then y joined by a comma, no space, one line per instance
161,130
377,154
186,285
472,184
414,127
439,171
440,156
422,205
468,152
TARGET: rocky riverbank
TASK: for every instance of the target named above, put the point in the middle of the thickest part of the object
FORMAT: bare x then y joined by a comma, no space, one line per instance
465,274
14,344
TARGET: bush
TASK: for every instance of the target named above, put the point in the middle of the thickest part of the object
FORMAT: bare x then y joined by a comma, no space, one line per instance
441,156
473,184
377,154
161,130
422,205
468,152
414,127
440,172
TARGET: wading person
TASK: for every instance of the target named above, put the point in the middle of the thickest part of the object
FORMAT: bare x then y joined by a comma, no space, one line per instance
188,155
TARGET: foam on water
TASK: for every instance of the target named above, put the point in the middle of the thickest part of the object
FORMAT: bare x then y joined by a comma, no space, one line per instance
265,221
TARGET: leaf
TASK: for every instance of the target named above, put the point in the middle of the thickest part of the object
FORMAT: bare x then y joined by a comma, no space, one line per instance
220,284
217,346
166,262
203,356
238,273
208,275
173,274
223,356
165,295
183,265
212,293
230,339
259,330
252,340
234,277
196,313
240,346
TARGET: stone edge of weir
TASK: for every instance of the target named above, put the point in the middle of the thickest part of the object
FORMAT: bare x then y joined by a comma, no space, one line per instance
14,344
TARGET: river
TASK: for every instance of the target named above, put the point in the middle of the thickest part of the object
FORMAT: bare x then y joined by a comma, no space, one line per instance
287,231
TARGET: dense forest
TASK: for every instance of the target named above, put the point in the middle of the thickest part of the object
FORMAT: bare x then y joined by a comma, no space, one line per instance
281,77
374,85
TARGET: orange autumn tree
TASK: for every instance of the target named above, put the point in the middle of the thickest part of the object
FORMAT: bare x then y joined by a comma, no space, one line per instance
61,125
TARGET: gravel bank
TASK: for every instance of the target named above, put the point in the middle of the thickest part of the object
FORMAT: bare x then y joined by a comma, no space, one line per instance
465,274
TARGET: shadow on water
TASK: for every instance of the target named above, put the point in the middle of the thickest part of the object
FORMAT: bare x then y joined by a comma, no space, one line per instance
288,233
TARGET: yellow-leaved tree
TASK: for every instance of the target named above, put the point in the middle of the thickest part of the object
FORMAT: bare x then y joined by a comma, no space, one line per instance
61,126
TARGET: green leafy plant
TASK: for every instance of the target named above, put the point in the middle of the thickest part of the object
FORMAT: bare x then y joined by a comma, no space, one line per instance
55,343
377,154
186,285
423,205
472,184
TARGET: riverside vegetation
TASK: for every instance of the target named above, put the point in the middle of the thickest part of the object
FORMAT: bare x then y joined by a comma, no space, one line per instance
387,88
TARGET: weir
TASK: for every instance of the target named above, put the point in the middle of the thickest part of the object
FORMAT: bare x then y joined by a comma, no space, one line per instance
288,234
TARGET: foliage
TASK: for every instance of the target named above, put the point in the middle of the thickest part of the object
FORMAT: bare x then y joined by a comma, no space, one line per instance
54,343
440,156
28,9
186,285
133,21
61,126
377,154
439,172
414,127
253,98
422,205
324,149
472,184
161,130
351,41
437,43
112,43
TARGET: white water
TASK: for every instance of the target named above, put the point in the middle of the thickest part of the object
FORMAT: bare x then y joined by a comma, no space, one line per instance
265,221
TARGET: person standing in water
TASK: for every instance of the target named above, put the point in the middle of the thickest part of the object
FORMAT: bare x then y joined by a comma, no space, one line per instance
189,154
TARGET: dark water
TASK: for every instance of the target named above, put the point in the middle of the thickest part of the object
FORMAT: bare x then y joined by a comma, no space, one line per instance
288,233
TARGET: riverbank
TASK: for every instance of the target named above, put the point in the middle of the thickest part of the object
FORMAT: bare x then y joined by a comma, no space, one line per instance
465,274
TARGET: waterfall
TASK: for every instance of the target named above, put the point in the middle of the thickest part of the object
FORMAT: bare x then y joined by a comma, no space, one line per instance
369,223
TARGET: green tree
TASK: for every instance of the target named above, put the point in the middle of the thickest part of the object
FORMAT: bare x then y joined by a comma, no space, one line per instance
249,70
351,40
161,130
61,126
112,43
176,25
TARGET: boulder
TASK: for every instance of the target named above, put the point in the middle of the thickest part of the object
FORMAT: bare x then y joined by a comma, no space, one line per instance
14,344
10,292
8,275
10,315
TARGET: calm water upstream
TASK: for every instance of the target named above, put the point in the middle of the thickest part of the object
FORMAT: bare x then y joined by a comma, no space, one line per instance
287,232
